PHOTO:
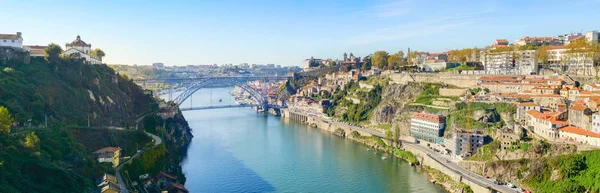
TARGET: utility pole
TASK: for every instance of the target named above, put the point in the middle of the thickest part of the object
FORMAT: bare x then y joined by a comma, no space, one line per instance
88,120
45,120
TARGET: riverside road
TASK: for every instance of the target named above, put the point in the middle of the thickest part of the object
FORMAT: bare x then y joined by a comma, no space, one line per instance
436,156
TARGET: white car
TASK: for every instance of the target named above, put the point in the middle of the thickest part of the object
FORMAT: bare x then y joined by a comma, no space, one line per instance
510,185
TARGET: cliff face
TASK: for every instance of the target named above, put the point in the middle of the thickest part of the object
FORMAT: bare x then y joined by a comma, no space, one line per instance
394,98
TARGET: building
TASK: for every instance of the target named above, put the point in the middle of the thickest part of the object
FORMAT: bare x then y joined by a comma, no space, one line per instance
163,179
545,123
36,51
465,143
158,65
84,50
538,41
11,40
108,155
596,122
579,135
580,116
522,109
109,184
428,127
310,63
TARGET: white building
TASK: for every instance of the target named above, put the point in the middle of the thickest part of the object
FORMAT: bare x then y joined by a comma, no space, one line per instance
11,40
84,50
428,127
521,62
596,123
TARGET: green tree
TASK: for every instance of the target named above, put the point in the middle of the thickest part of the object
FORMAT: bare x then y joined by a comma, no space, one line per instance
98,53
6,120
31,140
397,136
388,136
380,59
52,53
367,64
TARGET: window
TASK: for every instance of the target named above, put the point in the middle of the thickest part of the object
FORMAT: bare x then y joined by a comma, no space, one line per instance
13,41
4,40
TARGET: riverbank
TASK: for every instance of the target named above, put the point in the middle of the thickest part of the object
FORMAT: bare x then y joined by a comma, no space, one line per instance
373,139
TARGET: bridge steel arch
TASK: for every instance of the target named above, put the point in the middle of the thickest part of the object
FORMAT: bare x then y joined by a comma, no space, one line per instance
207,83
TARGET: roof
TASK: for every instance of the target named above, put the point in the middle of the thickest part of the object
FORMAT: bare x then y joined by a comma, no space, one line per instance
108,149
109,177
434,54
578,108
575,38
429,117
9,36
579,131
166,175
78,42
36,47
528,104
501,40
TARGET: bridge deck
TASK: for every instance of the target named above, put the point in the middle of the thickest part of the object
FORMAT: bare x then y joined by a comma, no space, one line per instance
216,107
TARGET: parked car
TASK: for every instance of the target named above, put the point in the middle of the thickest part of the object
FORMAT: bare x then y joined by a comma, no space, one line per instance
510,185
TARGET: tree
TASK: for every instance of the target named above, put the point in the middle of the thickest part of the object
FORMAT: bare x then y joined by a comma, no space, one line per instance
380,59
395,60
332,63
542,56
388,136
52,53
31,140
367,64
98,53
397,136
411,57
6,120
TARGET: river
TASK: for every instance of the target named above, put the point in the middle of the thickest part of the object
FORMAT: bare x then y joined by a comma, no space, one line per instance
240,150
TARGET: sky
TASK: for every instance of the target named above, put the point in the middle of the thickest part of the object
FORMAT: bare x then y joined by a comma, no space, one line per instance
286,32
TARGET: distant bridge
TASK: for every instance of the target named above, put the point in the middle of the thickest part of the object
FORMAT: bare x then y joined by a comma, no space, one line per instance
192,85
217,107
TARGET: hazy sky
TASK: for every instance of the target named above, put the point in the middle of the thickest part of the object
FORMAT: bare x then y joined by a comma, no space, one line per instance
285,31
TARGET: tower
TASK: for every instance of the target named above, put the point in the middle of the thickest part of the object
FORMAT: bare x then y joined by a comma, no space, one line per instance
345,56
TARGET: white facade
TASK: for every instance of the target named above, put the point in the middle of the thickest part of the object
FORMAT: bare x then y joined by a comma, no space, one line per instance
83,49
522,62
596,123
11,40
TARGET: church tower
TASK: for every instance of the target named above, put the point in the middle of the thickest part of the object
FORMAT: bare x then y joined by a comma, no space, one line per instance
345,56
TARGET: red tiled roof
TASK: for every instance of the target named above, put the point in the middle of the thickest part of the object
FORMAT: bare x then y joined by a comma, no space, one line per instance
9,36
434,54
527,104
575,38
578,108
429,117
501,40
166,175
108,149
579,131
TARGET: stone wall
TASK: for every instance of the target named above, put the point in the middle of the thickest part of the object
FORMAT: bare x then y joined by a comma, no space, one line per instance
452,91
464,81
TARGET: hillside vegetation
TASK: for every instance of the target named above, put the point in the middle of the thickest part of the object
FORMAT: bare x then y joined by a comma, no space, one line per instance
67,92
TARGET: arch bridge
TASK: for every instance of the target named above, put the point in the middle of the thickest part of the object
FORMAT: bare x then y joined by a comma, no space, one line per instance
192,85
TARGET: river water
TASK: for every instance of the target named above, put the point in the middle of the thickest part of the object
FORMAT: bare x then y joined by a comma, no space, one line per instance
240,150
